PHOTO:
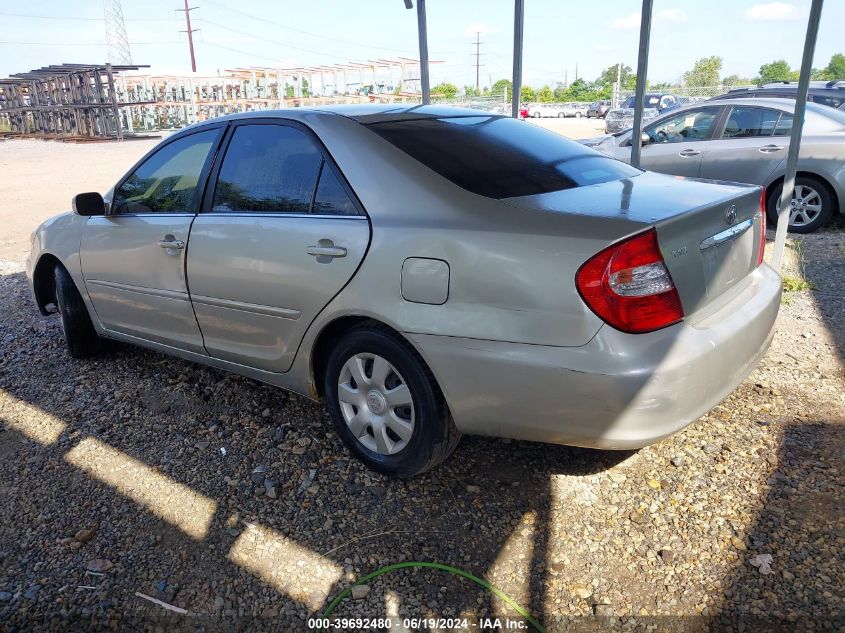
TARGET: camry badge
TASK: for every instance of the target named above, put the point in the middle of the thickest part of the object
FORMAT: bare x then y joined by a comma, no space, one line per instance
730,214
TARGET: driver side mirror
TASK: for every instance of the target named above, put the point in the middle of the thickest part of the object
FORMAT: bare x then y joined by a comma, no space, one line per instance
645,139
88,204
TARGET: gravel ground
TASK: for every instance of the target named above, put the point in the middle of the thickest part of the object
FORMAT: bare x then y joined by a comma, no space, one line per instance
114,484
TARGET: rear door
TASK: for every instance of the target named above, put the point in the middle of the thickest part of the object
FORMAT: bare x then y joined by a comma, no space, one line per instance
133,260
280,234
677,144
749,144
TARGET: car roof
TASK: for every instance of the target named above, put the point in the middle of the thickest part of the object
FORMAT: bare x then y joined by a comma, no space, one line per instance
363,113
783,104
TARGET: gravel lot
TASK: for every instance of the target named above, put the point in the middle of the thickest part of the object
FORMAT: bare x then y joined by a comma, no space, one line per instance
113,483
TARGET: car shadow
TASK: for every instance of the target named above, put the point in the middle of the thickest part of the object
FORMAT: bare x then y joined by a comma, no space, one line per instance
131,441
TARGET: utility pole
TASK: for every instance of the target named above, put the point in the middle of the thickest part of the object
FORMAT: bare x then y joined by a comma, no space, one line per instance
190,33
616,93
477,54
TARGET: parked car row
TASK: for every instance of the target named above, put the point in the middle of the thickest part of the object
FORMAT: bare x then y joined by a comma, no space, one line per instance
558,110
746,140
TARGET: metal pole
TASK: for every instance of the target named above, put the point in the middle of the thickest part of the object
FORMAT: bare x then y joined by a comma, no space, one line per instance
785,202
423,35
518,15
642,71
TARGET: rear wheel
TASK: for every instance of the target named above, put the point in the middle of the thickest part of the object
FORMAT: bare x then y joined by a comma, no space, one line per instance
811,207
385,404
80,336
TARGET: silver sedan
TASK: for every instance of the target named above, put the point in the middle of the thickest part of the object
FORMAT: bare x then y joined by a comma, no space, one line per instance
425,271
746,140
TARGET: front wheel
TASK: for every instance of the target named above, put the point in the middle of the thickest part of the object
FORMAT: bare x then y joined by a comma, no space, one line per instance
80,336
385,404
811,206
577,115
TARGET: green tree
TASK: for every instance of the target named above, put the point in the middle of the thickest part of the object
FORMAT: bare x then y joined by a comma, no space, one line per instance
471,91
777,70
608,75
306,91
445,90
545,95
835,70
579,90
501,87
705,72
527,94
736,80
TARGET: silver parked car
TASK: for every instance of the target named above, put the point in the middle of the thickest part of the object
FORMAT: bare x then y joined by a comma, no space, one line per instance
746,140
427,272
622,118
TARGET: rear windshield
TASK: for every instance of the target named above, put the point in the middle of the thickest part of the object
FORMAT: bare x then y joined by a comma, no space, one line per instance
500,157
651,101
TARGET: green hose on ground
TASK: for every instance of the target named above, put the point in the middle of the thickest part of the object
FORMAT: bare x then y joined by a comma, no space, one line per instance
453,570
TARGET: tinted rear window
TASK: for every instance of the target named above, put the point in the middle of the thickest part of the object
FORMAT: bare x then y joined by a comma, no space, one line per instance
500,157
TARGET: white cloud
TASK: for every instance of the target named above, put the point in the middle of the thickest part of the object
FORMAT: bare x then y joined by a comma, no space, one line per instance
477,27
632,20
672,15
773,12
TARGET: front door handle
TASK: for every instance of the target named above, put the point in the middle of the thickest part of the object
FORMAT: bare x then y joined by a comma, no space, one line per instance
171,242
766,149
689,152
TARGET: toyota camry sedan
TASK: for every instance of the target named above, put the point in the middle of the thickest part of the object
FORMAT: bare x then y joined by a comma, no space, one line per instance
426,272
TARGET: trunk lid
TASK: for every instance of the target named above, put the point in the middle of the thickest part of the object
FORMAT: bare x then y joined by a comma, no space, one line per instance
708,231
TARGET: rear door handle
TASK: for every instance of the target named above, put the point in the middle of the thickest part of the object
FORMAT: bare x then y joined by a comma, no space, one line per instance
770,148
689,152
171,242
328,250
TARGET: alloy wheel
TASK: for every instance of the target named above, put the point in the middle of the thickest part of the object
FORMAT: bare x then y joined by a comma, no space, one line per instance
376,403
805,207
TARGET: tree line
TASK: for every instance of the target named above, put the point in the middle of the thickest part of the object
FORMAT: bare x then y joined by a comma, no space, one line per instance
704,73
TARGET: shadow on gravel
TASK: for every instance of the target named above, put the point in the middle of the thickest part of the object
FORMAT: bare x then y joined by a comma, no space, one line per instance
824,268
129,441
775,586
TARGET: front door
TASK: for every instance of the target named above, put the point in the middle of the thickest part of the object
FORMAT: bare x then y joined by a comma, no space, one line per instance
677,144
751,144
133,260
278,239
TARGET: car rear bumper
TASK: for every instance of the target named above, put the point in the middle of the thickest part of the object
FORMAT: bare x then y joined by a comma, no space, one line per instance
619,391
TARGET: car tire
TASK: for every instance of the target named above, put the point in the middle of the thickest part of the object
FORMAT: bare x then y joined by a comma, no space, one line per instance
80,336
577,115
366,419
816,194
561,115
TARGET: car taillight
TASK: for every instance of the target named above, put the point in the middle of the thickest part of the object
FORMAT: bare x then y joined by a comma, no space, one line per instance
628,286
762,214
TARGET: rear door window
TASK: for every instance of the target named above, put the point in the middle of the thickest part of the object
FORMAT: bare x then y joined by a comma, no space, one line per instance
750,122
500,157
268,168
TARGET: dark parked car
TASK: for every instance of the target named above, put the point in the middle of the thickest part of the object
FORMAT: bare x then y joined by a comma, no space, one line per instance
830,93
598,109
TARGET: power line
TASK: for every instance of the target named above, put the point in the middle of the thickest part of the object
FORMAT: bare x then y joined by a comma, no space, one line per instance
75,18
304,32
272,41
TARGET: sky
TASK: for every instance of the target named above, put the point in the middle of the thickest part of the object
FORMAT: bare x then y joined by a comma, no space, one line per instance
562,37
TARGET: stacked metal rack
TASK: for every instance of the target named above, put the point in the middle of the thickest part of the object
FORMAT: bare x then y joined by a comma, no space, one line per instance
71,102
